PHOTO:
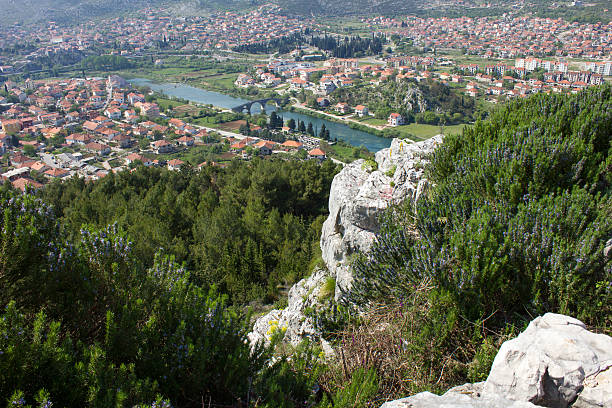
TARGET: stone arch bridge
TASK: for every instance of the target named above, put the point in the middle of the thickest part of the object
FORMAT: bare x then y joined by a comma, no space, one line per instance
262,102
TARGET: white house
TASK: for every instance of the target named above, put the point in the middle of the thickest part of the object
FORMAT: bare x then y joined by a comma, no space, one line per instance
361,110
395,119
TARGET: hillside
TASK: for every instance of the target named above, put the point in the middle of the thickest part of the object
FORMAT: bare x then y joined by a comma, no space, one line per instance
73,11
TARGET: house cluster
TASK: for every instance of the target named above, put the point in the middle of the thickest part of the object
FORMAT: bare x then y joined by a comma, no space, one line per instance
75,126
333,74
150,28
556,77
268,147
504,37
47,138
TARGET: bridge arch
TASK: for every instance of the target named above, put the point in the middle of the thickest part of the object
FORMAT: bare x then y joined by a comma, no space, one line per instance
261,102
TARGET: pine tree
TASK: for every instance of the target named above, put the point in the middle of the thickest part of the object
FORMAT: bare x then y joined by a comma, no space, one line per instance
291,124
310,129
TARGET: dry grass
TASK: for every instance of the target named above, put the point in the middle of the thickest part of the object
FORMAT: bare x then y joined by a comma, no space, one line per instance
389,339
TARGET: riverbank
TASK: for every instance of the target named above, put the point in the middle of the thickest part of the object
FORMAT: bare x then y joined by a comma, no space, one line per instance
338,130
412,131
211,81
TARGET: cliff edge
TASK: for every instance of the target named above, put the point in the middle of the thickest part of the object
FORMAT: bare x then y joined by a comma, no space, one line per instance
359,194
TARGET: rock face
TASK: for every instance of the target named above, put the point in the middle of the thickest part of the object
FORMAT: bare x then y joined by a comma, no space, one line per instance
291,320
555,362
358,197
464,396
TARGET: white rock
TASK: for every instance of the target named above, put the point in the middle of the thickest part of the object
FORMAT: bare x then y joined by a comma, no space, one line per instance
358,198
556,362
298,327
551,362
464,396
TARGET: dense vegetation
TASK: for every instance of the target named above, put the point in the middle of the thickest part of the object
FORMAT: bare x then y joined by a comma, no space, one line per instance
514,226
248,228
425,102
347,47
115,287
85,324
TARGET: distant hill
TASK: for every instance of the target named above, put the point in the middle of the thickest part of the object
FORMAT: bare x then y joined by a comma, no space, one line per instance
347,7
30,11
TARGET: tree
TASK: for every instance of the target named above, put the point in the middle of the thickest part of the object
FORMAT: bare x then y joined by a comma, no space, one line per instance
29,150
301,127
310,129
291,124
323,133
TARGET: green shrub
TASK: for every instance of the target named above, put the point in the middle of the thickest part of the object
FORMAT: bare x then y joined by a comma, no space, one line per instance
328,289
128,334
358,392
513,226
369,165
517,218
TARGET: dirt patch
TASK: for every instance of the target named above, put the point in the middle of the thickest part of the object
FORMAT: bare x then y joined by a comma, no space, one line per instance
232,126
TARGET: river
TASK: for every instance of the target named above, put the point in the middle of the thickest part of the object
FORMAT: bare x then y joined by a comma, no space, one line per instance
337,130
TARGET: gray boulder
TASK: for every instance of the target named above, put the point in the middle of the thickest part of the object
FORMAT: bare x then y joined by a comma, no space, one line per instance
556,362
464,396
291,320
357,198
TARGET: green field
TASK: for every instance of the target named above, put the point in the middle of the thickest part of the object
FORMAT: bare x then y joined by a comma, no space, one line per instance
371,120
421,131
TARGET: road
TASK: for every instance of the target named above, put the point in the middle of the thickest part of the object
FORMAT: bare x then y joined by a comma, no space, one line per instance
341,118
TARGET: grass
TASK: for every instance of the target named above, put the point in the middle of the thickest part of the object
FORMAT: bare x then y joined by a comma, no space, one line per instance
341,152
223,81
165,103
371,120
328,289
422,131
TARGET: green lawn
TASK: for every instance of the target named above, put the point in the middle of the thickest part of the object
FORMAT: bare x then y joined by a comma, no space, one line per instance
224,81
371,120
421,131
165,103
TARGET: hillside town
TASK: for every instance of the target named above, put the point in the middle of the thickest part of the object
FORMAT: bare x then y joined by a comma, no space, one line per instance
90,127
502,37
136,36
492,82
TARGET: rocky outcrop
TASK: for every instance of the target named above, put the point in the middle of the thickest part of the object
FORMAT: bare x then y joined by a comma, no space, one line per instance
555,362
464,396
358,197
291,320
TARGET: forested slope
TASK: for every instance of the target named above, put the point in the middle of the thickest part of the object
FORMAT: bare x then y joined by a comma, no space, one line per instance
247,228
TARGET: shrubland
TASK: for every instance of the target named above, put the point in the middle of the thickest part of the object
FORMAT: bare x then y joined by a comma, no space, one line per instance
514,225
132,289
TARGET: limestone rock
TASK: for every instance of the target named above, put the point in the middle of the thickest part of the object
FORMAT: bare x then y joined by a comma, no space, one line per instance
608,249
464,396
556,362
552,362
292,320
358,197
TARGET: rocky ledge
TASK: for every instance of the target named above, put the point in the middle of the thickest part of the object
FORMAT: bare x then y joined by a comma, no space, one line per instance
359,194
556,362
